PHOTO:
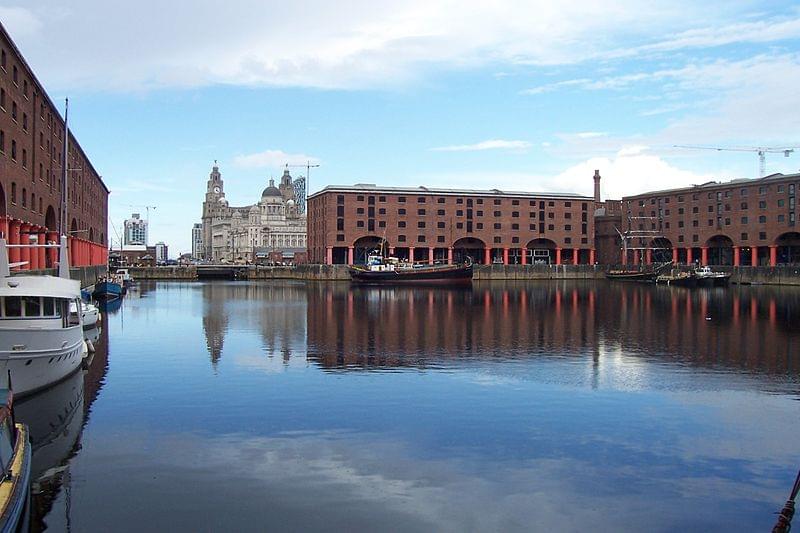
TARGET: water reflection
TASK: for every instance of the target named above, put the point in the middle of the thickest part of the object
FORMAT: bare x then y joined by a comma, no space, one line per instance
744,328
517,407
56,417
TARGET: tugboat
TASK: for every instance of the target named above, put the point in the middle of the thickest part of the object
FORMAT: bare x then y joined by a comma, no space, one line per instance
390,270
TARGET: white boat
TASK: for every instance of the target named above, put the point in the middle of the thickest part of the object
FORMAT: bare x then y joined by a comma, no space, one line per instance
708,278
41,342
90,314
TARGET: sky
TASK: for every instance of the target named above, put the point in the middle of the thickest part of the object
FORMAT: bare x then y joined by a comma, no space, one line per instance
531,95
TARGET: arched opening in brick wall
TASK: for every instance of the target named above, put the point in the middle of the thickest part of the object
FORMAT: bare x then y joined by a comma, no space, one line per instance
788,248
368,245
50,219
469,247
720,250
541,252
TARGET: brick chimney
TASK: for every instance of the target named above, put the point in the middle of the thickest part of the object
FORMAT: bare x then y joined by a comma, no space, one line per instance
597,186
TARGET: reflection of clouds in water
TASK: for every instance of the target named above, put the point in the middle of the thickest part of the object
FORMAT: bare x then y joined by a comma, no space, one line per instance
344,476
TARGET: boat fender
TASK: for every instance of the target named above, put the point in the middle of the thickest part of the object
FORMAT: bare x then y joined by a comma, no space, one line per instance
89,346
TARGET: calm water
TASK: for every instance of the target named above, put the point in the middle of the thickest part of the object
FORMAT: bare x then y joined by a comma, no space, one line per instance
553,406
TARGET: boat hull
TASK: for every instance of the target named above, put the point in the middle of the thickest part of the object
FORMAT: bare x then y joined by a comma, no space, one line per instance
33,362
107,290
15,500
436,275
717,280
645,277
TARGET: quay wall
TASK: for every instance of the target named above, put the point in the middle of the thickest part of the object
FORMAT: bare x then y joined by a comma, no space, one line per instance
780,275
87,275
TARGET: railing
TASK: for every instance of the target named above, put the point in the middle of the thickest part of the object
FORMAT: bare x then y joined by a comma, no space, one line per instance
82,252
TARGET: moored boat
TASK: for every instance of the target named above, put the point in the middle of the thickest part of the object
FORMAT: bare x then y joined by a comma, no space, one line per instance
107,289
708,278
16,464
90,314
645,275
41,343
390,271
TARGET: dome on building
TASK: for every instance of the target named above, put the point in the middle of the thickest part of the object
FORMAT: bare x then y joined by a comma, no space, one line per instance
254,209
290,203
272,190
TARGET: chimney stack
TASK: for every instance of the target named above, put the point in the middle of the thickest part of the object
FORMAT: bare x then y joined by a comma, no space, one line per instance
597,186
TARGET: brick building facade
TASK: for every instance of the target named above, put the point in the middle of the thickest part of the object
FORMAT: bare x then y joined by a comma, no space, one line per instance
31,155
446,225
740,222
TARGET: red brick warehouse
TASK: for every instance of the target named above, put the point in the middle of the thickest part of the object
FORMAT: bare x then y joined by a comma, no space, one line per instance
737,223
31,155
446,225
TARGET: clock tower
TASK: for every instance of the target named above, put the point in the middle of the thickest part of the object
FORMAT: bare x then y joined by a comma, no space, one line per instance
213,206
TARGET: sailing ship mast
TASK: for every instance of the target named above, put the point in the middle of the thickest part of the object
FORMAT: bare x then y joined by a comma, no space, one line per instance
639,239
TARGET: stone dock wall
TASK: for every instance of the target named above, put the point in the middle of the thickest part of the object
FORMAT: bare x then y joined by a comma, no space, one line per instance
87,275
781,275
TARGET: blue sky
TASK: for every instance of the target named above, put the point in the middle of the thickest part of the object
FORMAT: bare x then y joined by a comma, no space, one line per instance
510,95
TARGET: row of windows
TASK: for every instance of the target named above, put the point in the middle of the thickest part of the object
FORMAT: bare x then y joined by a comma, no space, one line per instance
441,239
459,225
459,213
744,206
762,190
33,306
762,236
469,201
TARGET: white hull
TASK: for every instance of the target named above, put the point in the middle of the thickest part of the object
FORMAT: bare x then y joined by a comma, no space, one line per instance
31,360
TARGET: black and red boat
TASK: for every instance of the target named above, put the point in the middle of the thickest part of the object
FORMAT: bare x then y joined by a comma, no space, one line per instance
390,271
645,275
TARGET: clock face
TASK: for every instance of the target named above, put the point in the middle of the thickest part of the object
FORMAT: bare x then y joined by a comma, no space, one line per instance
216,190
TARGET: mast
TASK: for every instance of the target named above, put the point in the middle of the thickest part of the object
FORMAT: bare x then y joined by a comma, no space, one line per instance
64,172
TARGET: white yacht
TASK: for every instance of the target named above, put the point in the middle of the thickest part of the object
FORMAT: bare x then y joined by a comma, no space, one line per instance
41,342
90,313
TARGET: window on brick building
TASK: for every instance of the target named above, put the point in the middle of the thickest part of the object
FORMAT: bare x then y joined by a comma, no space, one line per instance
744,220
551,227
498,240
479,213
381,223
3,59
459,213
24,197
695,210
440,238
421,224
710,221
382,211
762,219
744,236
762,190
567,240
514,226
421,212
401,224
420,238
359,223
14,150
360,211
381,198
762,235
781,202
459,225
442,200
25,121
497,202
695,238
762,204
14,111
497,214
401,211
498,225
680,238
567,227
780,188
551,215
479,225
401,199
440,225
15,75
339,198
24,158
440,212
421,199
727,222
781,218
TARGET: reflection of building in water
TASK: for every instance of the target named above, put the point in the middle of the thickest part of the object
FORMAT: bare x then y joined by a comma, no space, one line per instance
752,328
215,319
276,311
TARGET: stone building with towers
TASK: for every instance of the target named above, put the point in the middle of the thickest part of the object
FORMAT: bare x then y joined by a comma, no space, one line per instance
273,227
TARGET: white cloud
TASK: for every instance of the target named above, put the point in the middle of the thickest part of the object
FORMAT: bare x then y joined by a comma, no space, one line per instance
492,144
334,45
272,159
20,21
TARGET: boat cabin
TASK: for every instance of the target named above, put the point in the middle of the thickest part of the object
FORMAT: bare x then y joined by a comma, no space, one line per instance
14,308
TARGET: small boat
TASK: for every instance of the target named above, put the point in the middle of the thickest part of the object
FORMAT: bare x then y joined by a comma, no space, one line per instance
16,464
678,279
708,278
122,275
90,314
40,342
107,288
645,275
390,271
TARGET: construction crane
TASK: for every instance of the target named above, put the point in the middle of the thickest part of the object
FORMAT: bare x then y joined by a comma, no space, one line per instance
308,166
761,151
